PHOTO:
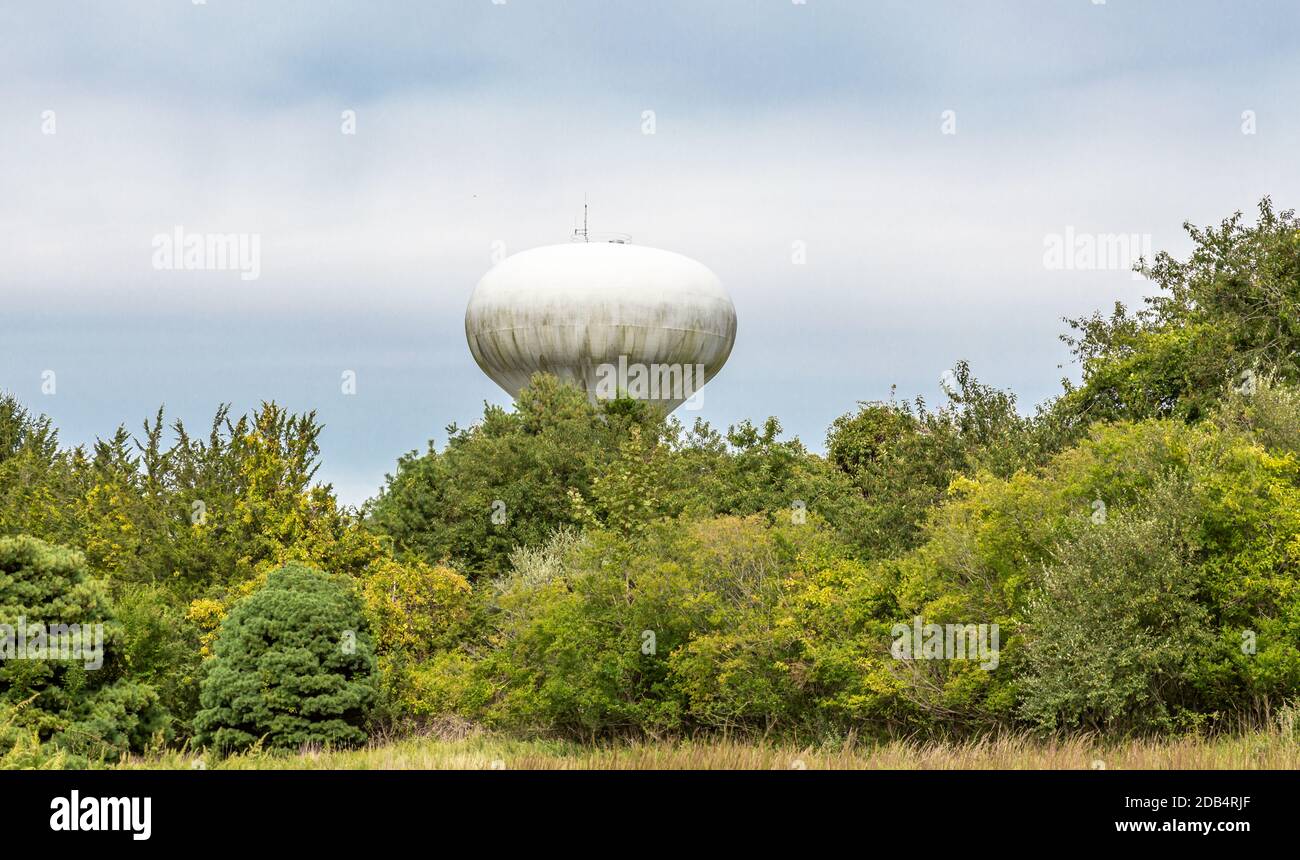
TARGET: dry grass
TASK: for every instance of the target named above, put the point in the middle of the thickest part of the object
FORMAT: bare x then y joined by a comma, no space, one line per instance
1271,750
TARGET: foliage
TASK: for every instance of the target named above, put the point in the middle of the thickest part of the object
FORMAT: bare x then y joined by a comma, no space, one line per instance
1032,552
683,624
1121,575
179,530
599,570
1114,637
294,664
505,482
416,611
559,462
204,515
587,650
1231,308
35,475
902,456
75,696
161,648
21,748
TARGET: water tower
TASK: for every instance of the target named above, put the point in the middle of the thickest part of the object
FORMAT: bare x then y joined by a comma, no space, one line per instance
613,318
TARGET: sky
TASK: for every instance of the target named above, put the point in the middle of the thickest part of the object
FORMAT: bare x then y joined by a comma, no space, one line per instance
877,184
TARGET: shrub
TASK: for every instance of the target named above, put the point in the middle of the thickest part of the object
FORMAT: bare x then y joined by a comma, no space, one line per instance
294,664
160,647
87,709
21,749
1116,631
1034,552
681,624
417,608
417,611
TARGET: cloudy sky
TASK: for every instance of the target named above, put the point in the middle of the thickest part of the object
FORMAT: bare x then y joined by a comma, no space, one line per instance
922,154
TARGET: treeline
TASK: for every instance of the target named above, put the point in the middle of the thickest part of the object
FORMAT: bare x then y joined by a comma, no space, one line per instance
594,570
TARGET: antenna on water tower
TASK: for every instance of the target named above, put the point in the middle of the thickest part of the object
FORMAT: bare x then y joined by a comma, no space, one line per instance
583,234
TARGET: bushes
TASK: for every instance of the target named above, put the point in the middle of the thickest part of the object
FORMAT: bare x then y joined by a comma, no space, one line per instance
176,529
75,697
679,625
294,664
160,647
417,611
1116,633
583,636
1124,573
522,465
22,749
1134,541
1122,578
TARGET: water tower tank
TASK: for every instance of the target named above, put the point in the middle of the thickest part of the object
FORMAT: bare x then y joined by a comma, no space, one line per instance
602,314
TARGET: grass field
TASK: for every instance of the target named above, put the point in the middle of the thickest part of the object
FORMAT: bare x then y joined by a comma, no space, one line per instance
1271,750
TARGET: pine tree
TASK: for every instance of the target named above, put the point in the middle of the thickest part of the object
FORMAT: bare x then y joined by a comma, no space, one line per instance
294,664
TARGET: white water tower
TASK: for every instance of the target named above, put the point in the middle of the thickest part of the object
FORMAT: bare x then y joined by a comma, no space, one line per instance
602,313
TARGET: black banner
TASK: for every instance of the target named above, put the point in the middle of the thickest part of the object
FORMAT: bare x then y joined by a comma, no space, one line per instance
145,810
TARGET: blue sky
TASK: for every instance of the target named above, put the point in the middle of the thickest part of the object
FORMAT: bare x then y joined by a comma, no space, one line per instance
479,123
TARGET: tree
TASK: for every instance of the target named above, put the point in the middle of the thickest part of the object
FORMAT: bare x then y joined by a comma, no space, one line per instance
902,456
1114,635
71,690
1231,309
507,481
201,516
37,483
1099,536
294,664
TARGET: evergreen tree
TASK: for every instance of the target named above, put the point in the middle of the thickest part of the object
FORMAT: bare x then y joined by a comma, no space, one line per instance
294,664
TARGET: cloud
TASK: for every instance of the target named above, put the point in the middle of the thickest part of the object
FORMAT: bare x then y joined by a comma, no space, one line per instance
774,124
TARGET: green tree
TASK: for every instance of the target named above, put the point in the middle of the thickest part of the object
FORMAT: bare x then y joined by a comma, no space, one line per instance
508,481
294,665
1115,633
901,456
79,698
1028,551
1232,308
37,481
200,516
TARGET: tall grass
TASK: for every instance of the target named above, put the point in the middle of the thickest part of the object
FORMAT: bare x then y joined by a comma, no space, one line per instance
1273,749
